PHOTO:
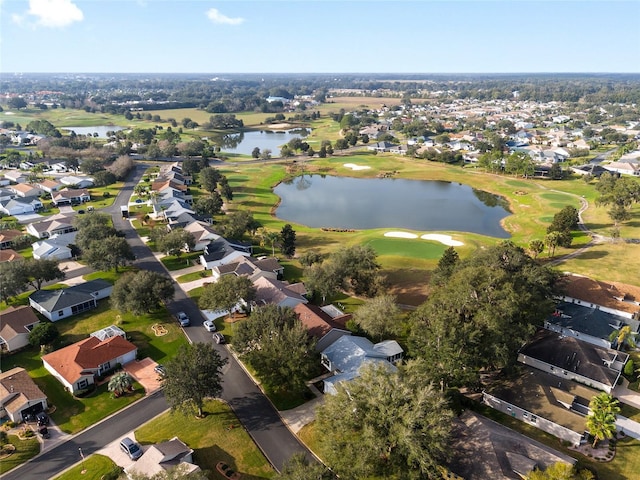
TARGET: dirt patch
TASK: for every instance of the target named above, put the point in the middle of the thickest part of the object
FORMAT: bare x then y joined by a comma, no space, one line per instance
235,318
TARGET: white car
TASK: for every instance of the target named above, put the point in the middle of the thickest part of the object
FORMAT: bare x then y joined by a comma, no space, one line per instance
209,326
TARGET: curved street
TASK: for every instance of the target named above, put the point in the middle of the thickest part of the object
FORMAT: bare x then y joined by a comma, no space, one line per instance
253,409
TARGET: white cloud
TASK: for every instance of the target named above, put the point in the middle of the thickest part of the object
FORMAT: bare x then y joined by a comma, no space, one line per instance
216,17
53,13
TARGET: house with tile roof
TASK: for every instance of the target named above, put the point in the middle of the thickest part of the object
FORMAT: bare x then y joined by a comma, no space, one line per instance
321,325
15,326
164,456
63,303
77,366
19,395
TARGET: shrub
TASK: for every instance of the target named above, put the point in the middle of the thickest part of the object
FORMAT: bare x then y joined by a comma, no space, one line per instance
114,474
629,369
106,194
4,438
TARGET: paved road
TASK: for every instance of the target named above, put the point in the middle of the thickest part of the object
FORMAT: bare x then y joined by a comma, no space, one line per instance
52,462
248,402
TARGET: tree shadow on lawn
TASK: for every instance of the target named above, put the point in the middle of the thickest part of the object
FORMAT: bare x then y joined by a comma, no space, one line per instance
145,347
592,255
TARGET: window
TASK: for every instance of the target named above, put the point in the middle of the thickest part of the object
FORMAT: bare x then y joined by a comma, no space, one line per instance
83,384
60,313
534,419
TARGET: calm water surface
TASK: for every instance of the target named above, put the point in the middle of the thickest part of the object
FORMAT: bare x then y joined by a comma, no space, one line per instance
100,130
244,142
342,202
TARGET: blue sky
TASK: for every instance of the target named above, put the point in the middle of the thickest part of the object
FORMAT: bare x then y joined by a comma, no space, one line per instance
318,36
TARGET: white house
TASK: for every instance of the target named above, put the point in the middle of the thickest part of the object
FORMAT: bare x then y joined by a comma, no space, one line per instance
77,366
49,228
20,206
15,326
79,182
55,247
63,303
19,395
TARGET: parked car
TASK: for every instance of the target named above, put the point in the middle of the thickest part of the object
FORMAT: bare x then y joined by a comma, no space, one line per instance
42,418
131,448
183,319
209,326
227,471
44,432
160,370
218,338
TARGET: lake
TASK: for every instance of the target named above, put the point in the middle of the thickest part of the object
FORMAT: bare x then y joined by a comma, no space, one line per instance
244,142
422,205
100,130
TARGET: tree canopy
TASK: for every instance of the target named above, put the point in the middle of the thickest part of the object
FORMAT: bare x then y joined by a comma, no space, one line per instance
193,375
109,252
482,315
226,293
378,316
141,292
276,343
43,333
385,424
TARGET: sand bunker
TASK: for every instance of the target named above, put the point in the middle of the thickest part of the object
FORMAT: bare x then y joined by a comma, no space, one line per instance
445,239
353,166
401,235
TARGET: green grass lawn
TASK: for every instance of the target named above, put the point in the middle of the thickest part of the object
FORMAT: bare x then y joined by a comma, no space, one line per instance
94,467
407,248
190,277
25,450
211,440
173,262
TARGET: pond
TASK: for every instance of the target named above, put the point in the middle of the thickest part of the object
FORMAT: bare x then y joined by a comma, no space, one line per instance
244,142
422,205
101,130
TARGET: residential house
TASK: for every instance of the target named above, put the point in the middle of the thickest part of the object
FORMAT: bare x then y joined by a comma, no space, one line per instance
7,238
483,449
19,395
20,206
572,359
56,247
612,297
589,169
381,146
63,303
6,194
164,456
321,325
201,231
50,228
274,292
9,255
16,176
625,167
222,252
77,366
399,149
250,267
24,190
49,186
349,353
15,326
68,196
78,182
542,400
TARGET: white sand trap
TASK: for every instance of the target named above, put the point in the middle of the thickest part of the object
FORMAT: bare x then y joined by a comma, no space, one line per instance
353,166
401,235
9,113
445,239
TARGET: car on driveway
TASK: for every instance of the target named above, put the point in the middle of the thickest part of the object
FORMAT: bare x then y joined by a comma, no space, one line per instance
227,471
44,432
131,448
209,326
219,338
183,319
160,371
42,418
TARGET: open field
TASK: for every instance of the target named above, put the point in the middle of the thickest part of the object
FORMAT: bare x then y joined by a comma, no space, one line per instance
212,440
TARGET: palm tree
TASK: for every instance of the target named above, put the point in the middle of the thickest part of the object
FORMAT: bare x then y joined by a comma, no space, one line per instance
601,422
120,383
622,337
271,238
